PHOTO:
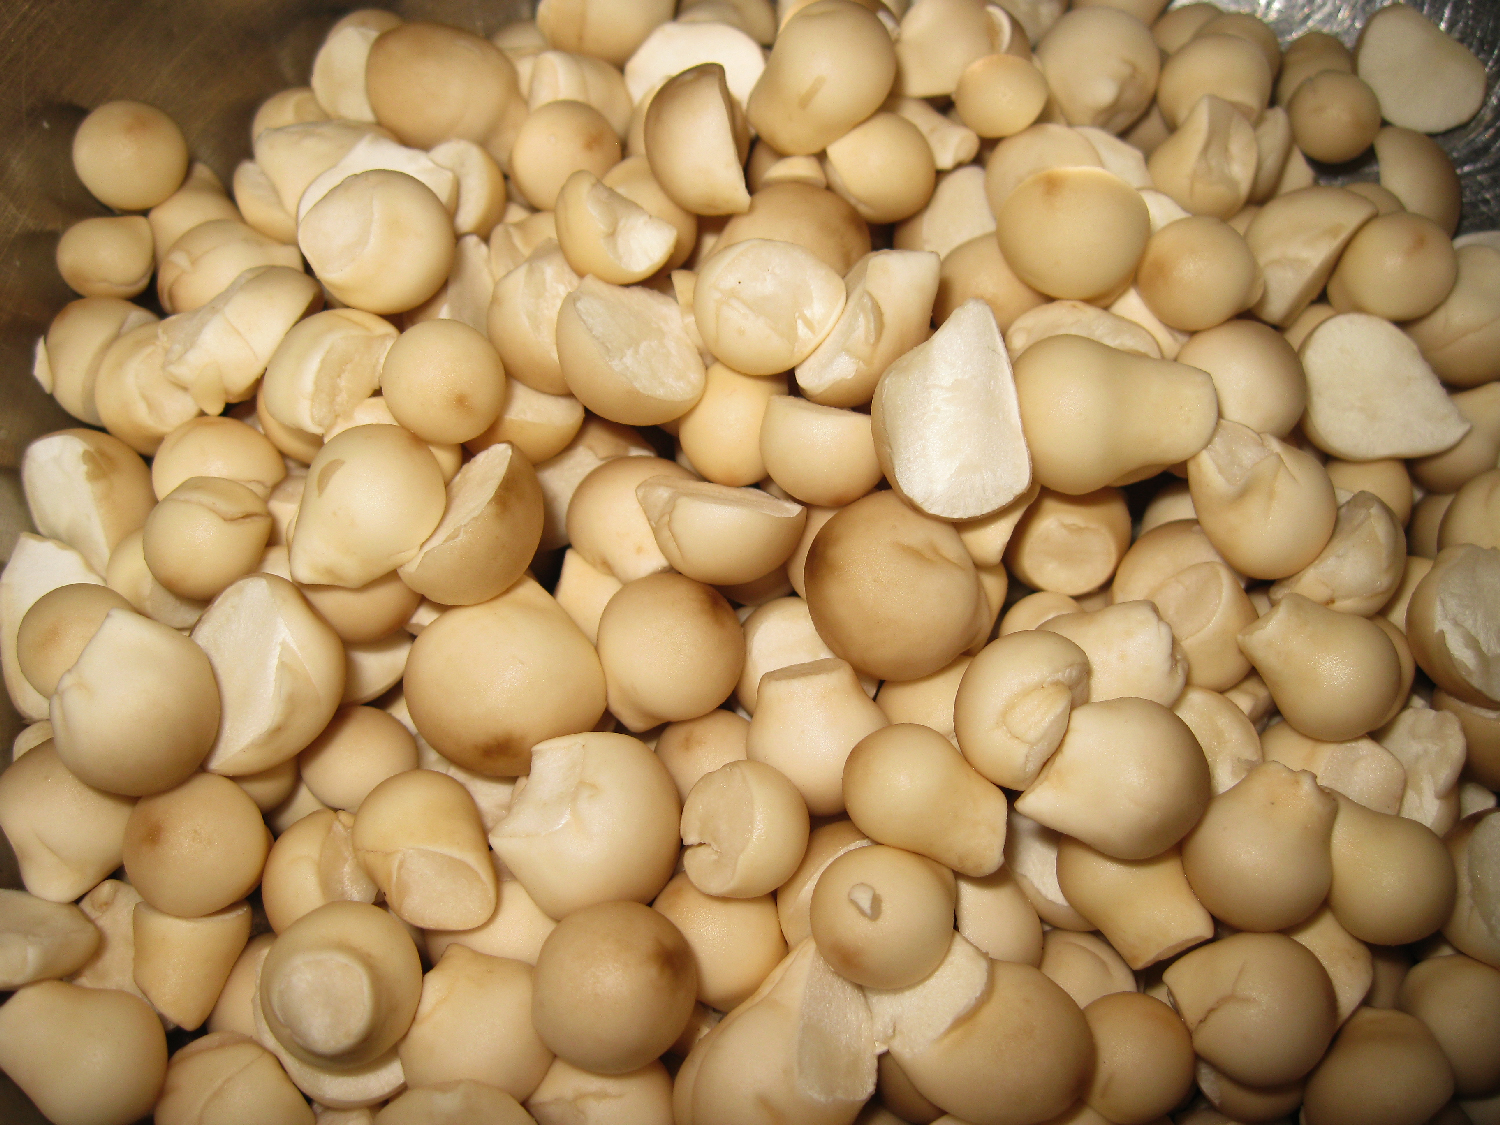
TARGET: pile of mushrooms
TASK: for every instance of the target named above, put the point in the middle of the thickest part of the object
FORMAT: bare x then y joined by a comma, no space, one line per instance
883,561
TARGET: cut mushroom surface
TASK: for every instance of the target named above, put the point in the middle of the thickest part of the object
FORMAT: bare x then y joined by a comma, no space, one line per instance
947,423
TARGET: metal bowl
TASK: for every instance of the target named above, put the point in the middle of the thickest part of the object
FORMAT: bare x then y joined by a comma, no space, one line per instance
209,63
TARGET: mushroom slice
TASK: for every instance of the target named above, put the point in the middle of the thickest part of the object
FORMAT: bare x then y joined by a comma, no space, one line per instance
1425,79
86,489
1370,394
720,535
947,423
282,671
37,566
625,354
887,312
41,940
604,234
1297,239
489,531
696,141
1452,626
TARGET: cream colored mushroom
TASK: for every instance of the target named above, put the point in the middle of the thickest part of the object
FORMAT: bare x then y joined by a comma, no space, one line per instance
809,95
86,489
762,306
1450,629
1101,66
419,835
1145,908
181,964
1425,79
138,711
1283,1017
67,836
1297,238
1268,507
117,1033
200,199
1105,399
885,314
847,465
743,828
339,987
1208,165
1067,209
273,706
1093,764
957,385
877,544
596,821
1069,545
808,717
1334,675
671,649
197,848
480,714
696,141
897,779
131,156
490,528
366,226
338,69
1359,768
1013,704
624,353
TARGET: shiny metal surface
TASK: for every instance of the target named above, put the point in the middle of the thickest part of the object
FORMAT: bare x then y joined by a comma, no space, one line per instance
1475,147
209,63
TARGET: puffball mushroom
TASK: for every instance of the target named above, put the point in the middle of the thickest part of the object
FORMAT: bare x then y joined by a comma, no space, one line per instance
380,240
115,1048
879,544
614,986
340,986
374,494
139,710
